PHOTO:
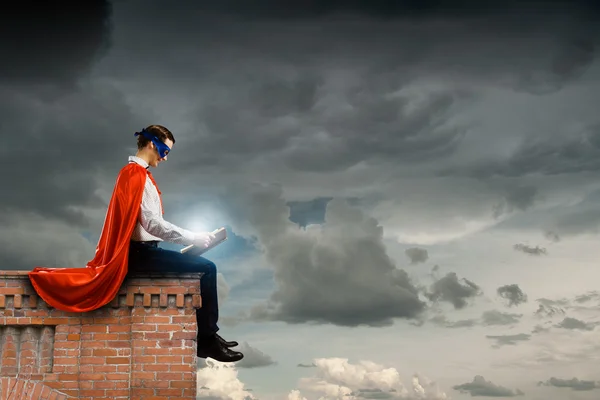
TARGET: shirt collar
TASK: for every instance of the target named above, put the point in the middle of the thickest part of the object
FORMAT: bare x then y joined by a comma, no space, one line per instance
139,161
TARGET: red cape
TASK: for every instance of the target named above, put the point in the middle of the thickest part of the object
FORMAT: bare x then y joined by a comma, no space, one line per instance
86,289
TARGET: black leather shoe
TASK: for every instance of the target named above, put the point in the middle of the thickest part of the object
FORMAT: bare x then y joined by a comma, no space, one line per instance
213,349
226,343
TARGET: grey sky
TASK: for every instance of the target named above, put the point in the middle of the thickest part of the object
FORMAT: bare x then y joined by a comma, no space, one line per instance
410,185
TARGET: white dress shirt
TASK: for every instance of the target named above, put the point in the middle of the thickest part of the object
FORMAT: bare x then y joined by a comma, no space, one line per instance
151,225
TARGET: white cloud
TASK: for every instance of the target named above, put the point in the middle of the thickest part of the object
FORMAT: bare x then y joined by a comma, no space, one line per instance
295,395
219,381
337,378
333,379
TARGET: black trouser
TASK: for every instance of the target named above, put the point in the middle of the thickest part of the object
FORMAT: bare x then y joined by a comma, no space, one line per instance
148,257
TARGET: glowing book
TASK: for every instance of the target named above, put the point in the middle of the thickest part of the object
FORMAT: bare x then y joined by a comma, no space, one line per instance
220,237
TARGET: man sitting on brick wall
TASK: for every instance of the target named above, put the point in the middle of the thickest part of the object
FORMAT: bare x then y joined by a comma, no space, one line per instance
133,227
145,255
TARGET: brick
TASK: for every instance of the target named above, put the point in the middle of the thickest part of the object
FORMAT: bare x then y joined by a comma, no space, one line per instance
155,367
163,300
56,321
104,352
104,368
168,360
115,344
18,301
92,344
143,328
184,335
105,385
106,336
68,377
12,290
106,320
169,392
150,290
117,360
151,351
117,377
92,393
119,328
157,335
64,361
180,384
170,343
159,383
94,328
144,359
94,377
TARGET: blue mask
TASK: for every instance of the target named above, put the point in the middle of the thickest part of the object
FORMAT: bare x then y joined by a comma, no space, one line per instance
162,148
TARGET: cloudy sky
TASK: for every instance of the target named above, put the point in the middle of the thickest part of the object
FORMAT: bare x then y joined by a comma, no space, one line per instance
411,190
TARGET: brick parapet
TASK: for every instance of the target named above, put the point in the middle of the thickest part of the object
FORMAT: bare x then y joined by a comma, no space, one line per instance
140,346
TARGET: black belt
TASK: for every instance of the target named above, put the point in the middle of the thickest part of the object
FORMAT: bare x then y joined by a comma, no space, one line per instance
148,243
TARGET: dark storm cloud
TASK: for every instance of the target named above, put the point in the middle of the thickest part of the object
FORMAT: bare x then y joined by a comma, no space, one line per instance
548,311
488,318
508,340
495,317
441,320
513,294
534,251
516,198
323,95
552,236
584,298
451,290
567,154
576,324
580,218
52,42
573,383
417,255
290,120
319,271
308,212
65,142
568,64
306,365
480,387
379,8
61,133
254,358
316,95
395,133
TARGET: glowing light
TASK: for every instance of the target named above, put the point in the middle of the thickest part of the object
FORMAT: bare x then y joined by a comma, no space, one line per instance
204,219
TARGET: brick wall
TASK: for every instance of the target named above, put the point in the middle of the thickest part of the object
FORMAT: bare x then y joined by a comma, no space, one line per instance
141,346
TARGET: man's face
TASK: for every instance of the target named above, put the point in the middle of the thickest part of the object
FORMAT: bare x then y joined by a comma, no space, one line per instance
157,159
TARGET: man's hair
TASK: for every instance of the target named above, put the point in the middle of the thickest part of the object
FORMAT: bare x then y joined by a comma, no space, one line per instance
159,131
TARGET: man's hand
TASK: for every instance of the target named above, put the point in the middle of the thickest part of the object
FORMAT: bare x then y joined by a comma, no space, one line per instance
203,239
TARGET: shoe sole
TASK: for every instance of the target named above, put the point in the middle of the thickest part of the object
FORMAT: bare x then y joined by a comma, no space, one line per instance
207,356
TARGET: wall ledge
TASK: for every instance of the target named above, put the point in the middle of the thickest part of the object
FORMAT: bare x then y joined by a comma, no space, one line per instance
142,345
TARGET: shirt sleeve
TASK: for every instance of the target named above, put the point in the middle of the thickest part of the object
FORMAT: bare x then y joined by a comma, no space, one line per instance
152,220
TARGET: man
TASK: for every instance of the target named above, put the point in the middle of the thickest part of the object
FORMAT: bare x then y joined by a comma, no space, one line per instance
133,227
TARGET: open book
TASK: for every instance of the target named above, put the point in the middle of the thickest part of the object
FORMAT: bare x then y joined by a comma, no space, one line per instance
220,237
